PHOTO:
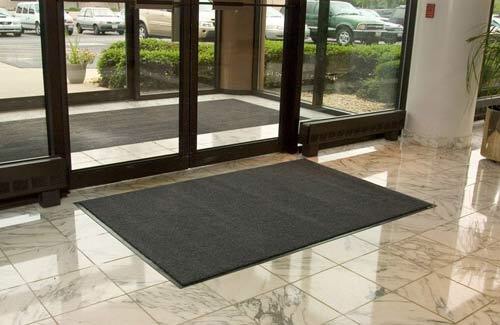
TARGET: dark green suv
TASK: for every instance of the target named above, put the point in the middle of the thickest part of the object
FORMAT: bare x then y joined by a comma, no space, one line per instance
345,23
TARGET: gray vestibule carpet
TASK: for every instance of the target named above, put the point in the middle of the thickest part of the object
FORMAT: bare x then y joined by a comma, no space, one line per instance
28,138
199,229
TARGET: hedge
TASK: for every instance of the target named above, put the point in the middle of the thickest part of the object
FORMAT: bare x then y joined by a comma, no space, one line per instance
358,65
490,78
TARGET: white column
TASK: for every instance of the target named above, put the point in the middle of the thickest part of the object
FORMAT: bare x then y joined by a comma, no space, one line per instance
440,110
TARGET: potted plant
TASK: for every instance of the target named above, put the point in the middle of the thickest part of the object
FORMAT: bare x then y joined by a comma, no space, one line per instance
489,80
77,61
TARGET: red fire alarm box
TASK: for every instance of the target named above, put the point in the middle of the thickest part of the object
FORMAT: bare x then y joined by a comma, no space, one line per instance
430,10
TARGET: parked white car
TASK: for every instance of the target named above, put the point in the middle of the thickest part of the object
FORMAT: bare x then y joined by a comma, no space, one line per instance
158,22
275,25
9,24
29,15
99,20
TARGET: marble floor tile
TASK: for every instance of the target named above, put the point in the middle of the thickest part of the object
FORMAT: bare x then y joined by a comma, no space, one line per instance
487,227
227,316
63,211
394,309
287,305
449,208
117,311
103,248
19,306
16,217
465,240
389,271
426,220
335,287
131,273
342,320
444,297
8,275
344,249
384,234
41,263
244,284
48,321
298,265
78,226
475,273
490,253
30,236
491,211
473,197
170,305
71,291
425,252
489,315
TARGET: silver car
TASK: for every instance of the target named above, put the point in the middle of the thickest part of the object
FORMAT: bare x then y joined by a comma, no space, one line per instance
99,20
9,24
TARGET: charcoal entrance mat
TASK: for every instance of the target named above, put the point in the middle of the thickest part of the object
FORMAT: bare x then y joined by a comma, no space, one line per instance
133,125
199,229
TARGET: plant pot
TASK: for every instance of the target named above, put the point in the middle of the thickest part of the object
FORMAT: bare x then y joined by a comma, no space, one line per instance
491,136
76,73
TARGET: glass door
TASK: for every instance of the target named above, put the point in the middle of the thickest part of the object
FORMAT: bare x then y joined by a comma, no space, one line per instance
23,124
123,47
240,51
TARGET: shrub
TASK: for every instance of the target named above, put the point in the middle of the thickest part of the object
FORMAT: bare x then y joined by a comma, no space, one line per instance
159,64
159,60
383,87
112,67
490,74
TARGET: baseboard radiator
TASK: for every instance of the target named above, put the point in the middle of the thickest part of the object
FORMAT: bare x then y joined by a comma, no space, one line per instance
314,135
45,177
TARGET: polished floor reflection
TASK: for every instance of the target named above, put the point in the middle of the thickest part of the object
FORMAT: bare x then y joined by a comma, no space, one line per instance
440,266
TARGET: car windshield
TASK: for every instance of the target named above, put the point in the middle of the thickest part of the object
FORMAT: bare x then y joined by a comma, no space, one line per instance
495,22
36,7
103,12
344,8
4,13
271,12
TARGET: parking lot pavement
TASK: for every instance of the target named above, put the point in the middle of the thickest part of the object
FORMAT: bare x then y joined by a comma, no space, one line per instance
25,51
25,82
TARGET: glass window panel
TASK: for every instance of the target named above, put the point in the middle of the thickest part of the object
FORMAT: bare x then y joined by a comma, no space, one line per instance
159,31
23,127
95,46
490,81
108,132
244,103
361,58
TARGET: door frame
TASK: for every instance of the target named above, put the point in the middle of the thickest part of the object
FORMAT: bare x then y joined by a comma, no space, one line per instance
57,113
189,156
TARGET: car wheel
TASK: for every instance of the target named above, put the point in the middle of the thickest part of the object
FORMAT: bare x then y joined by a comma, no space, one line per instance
143,30
121,32
79,29
96,30
37,28
22,30
344,36
69,31
17,34
314,38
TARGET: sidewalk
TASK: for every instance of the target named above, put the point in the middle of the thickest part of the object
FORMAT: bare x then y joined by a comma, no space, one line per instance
24,82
